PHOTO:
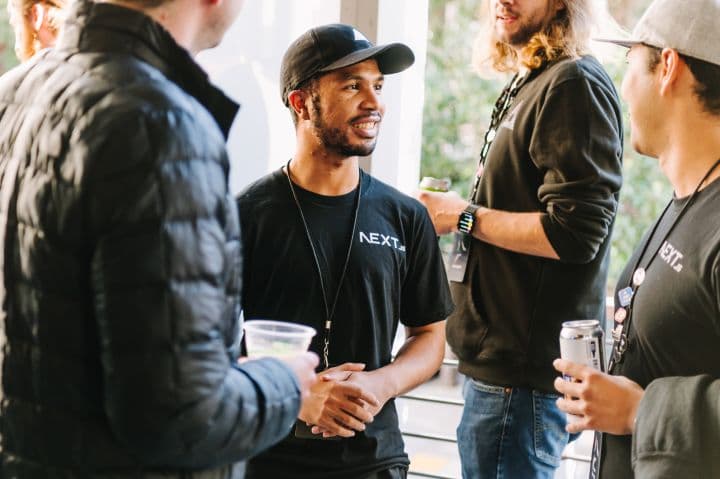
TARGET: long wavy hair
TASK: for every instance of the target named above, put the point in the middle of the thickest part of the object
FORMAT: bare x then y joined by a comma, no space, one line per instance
27,42
566,35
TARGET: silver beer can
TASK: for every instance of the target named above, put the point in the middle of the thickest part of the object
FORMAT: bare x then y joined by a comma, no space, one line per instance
582,342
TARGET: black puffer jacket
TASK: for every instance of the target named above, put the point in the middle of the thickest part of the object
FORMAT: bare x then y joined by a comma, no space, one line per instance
120,267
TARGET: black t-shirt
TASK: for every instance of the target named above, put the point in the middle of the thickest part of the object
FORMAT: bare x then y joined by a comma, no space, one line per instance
330,221
395,275
675,326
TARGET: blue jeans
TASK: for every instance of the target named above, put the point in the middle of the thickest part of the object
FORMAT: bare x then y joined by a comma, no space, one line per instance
510,433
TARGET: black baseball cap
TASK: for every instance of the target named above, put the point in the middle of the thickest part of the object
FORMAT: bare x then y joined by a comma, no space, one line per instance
331,47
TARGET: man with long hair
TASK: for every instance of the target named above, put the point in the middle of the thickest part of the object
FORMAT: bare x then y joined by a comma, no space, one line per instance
120,279
658,408
532,243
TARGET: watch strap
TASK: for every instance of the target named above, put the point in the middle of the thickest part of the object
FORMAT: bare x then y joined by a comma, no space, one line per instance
466,221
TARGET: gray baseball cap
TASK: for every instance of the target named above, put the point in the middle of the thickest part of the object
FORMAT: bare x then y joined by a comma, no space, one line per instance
692,27
331,47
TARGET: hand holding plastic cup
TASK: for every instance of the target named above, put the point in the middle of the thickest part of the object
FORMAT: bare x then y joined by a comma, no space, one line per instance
278,339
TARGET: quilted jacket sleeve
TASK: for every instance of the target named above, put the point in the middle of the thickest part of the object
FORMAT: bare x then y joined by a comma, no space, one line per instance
165,279
678,429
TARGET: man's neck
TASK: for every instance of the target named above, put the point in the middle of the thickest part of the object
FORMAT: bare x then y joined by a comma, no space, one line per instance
324,174
693,149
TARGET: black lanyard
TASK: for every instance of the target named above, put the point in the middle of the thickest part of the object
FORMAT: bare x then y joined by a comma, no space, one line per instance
329,309
502,105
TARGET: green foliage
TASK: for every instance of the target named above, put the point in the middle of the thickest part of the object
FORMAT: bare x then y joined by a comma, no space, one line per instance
458,103
457,112
7,40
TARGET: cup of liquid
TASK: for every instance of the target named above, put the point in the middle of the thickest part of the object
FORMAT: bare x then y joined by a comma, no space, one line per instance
428,183
277,339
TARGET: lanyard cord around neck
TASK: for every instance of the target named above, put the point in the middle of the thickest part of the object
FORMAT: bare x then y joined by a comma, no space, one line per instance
329,309
638,274
502,105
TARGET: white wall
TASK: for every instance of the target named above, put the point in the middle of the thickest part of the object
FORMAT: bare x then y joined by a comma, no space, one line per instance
397,157
246,66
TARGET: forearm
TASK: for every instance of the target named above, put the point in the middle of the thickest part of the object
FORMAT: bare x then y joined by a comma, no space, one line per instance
253,407
417,360
518,232
278,396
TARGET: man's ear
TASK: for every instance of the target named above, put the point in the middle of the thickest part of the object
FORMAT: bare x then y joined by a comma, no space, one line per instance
671,66
297,100
37,15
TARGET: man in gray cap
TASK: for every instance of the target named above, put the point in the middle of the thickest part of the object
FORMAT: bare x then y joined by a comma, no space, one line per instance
329,246
658,407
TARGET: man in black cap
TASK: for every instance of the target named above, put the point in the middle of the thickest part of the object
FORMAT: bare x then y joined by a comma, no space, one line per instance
327,245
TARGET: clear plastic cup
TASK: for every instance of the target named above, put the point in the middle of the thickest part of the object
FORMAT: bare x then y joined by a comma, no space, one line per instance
429,183
276,339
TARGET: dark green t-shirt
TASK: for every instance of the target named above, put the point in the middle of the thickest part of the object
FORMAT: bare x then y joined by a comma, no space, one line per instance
675,326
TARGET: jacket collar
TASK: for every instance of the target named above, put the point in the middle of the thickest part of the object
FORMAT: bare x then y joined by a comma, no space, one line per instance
104,27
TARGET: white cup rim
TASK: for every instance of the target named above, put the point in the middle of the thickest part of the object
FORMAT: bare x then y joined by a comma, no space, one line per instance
300,329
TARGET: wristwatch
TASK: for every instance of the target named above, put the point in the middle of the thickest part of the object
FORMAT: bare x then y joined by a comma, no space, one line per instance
467,219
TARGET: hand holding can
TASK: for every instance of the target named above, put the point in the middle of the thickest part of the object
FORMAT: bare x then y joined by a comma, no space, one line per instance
581,342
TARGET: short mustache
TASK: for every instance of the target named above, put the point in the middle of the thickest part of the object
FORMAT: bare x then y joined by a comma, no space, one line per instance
376,117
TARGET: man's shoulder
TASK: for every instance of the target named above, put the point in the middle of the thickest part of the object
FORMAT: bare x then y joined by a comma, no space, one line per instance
96,94
119,94
266,187
95,82
382,196
378,189
137,84
584,68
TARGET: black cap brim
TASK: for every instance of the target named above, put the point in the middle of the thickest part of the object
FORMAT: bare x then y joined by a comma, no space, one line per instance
391,58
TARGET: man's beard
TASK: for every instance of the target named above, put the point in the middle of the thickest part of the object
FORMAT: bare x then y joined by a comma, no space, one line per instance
526,32
334,139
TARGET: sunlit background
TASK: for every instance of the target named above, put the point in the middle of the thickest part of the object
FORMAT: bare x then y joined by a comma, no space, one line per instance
437,113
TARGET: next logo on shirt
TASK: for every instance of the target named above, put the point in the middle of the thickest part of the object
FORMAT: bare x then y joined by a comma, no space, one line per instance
382,240
671,256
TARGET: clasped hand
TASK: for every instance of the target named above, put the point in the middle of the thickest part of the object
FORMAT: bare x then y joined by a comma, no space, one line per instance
339,405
